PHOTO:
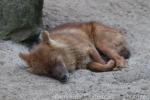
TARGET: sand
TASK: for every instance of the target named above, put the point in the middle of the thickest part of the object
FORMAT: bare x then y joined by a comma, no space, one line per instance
131,83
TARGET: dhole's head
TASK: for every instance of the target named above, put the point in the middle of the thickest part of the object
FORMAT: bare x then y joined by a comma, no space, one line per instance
47,58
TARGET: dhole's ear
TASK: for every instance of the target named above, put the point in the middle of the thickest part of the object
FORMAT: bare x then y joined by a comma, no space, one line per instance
45,37
24,57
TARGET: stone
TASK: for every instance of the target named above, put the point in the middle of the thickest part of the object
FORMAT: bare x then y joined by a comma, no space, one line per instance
19,19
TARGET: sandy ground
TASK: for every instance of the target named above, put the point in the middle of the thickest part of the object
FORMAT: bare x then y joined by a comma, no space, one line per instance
132,83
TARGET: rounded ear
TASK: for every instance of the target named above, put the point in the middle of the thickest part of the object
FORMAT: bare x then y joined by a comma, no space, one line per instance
24,57
45,37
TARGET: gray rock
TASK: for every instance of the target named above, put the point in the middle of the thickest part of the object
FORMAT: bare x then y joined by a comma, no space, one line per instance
19,16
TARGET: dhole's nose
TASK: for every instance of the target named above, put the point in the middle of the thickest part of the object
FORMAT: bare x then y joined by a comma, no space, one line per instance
64,78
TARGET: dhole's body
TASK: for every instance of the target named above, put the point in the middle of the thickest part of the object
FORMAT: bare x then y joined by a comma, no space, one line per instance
75,46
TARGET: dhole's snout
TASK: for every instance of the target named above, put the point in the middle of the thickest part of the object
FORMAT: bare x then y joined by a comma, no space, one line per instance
61,73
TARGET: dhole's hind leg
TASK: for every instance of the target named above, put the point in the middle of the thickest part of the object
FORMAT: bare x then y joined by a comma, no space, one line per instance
113,54
98,64
97,67
95,56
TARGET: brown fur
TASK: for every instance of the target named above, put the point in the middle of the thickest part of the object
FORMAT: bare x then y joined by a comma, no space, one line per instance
75,46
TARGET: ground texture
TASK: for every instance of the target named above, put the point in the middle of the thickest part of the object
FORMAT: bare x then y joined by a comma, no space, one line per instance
131,83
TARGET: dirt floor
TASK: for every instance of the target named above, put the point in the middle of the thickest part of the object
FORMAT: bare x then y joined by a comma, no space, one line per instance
131,83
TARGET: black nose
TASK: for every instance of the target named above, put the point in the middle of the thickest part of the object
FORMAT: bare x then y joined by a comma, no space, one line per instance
64,78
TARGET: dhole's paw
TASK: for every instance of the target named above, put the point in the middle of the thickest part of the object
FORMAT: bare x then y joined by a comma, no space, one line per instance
111,63
117,69
121,63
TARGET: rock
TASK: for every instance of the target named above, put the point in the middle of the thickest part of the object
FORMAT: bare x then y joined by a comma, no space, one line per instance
20,18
